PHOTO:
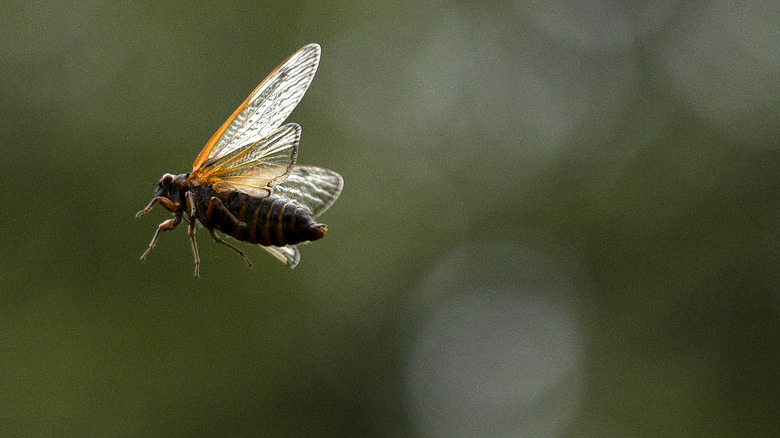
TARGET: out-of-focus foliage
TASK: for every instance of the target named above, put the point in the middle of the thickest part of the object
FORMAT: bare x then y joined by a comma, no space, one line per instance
560,218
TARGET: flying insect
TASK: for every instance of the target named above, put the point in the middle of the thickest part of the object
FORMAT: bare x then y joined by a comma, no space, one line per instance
246,182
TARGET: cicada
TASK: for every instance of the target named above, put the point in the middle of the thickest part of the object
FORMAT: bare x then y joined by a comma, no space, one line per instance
245,182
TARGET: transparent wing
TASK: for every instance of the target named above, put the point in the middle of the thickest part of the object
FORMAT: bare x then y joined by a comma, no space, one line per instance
256,167
288,255
313,188
266,108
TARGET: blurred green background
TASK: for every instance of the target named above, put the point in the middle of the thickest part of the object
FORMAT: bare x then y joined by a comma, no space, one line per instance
560,218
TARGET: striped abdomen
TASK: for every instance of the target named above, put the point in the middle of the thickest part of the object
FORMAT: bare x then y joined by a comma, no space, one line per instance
270,221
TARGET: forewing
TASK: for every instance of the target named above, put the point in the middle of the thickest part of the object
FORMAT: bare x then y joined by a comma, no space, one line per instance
313,188
266,108
288,255
256,167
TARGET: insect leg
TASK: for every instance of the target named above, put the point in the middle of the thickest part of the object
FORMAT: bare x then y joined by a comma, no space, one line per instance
190,204
217,203
214,235
165,226
191,232
167,203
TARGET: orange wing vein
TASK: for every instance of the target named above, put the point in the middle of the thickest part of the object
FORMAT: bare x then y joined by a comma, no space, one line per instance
256,167
265,109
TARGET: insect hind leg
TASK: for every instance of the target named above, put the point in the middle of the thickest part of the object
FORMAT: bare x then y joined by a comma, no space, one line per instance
165,226
215,202
241,253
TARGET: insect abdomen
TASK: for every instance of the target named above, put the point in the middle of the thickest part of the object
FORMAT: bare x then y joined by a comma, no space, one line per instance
272,221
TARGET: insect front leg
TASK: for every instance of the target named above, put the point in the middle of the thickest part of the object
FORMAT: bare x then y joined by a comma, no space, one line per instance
167,203
190,205
165,226
214,235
